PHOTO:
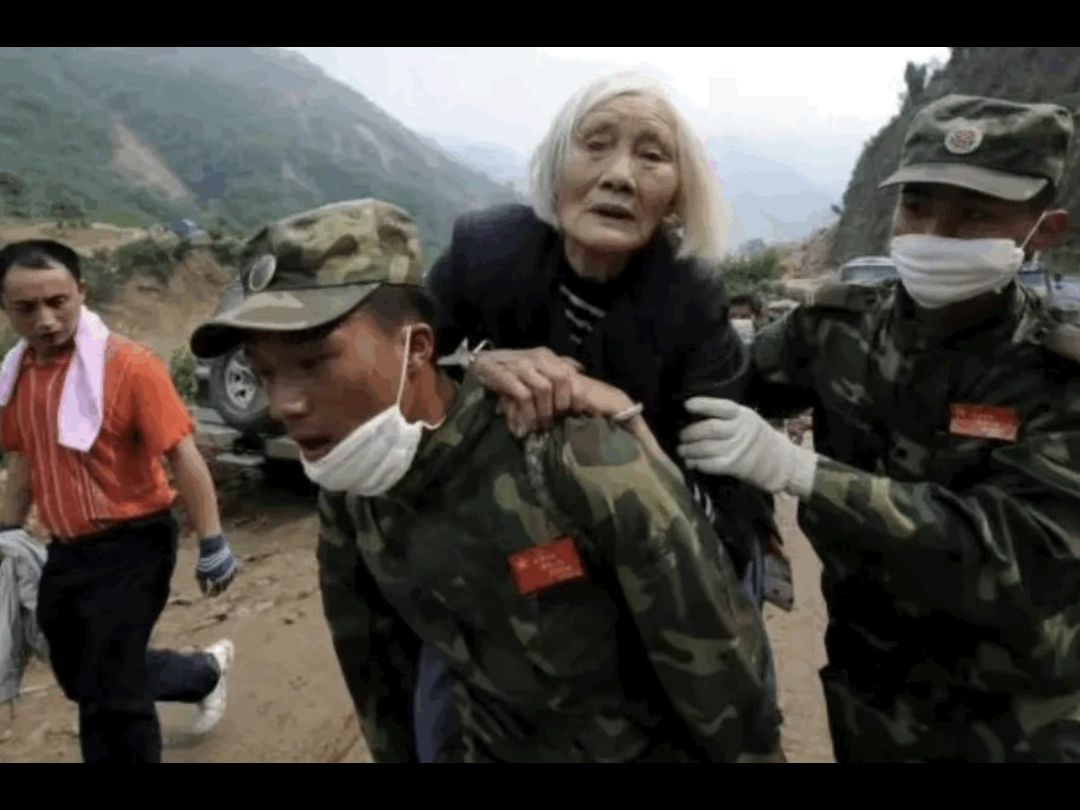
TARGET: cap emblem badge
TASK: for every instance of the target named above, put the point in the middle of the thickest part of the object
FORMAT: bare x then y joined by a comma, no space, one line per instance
963,140
261,273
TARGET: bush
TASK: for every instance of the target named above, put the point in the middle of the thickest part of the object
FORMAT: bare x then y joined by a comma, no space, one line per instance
106,273
99,274
182,367
144,257
226,252
749,274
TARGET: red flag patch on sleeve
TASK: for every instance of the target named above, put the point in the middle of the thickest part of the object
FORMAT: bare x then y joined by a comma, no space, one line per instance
541,566
984,422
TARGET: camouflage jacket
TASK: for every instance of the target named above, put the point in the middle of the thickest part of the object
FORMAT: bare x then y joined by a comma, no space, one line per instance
950,548
654,654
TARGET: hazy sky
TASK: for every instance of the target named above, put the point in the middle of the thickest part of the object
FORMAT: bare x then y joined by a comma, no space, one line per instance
814,107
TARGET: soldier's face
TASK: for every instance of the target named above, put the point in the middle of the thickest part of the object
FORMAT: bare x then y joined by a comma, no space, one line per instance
323,387
956,213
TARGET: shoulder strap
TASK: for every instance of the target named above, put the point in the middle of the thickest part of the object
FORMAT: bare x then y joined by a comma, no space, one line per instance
849,297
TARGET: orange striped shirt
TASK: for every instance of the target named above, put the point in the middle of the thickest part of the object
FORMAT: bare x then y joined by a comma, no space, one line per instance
122,476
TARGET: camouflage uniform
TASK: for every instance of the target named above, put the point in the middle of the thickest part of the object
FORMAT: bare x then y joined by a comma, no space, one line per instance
951,561
651,653
655,655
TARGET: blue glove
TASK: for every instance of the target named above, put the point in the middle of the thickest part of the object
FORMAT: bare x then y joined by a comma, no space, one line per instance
217,566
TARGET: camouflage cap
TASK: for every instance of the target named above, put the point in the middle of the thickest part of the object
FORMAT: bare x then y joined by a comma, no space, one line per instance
311,268
1000,148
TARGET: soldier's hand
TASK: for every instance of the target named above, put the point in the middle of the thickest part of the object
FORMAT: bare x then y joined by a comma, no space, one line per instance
534,385
733,440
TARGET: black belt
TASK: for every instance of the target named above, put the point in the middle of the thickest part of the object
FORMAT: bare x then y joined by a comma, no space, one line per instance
120,527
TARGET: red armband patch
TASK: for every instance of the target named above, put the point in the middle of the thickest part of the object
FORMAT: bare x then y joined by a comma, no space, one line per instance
984,422
542,566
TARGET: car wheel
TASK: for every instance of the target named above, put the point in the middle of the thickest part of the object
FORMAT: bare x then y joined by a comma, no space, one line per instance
236,394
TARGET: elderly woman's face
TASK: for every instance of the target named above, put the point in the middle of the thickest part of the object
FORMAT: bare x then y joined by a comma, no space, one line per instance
621,176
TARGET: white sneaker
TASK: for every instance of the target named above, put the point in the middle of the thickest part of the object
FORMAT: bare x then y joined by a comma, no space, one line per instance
212,707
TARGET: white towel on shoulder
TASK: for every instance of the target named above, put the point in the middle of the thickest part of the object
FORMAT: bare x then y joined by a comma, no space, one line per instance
82,402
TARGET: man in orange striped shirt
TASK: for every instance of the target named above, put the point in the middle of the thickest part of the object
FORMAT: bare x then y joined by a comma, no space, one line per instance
108,508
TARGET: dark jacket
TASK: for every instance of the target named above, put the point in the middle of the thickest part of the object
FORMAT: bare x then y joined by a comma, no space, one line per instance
665,339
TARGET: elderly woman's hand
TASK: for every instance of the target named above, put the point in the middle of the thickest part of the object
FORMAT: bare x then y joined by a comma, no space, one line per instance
590,397
595,398
534,385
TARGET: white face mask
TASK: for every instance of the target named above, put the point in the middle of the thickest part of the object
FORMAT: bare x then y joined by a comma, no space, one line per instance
376,455
938,271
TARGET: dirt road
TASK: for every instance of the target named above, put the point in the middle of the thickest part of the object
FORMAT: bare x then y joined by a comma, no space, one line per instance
287,700
86,240
798,644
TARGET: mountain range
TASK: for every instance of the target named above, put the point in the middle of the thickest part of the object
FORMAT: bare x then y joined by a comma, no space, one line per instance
233,136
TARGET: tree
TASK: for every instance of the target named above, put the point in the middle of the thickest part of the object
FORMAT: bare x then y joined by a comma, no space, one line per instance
66,212
915,79
749,273
13,195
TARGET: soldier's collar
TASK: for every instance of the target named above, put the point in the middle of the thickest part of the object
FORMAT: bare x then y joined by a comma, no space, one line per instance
994,323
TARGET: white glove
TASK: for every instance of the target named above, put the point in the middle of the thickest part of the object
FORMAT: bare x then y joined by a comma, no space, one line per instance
735,441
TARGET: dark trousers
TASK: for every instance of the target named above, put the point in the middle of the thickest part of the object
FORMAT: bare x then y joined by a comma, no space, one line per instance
98,601
754,586
435,720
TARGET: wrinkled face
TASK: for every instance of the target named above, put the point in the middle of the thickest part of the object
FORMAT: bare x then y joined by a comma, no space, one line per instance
43,304
323,388
956,213
621,176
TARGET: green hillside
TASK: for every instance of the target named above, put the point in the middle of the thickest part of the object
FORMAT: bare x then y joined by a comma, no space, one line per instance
1019,74
226,136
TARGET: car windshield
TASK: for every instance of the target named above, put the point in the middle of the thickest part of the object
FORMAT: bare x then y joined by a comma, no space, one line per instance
872,272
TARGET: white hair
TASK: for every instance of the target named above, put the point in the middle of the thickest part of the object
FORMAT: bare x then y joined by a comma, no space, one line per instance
701,229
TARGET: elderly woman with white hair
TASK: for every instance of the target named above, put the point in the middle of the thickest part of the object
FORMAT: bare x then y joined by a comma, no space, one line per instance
612,272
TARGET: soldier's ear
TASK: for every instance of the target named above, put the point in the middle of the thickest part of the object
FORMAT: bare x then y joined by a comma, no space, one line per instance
1052,230
421,347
